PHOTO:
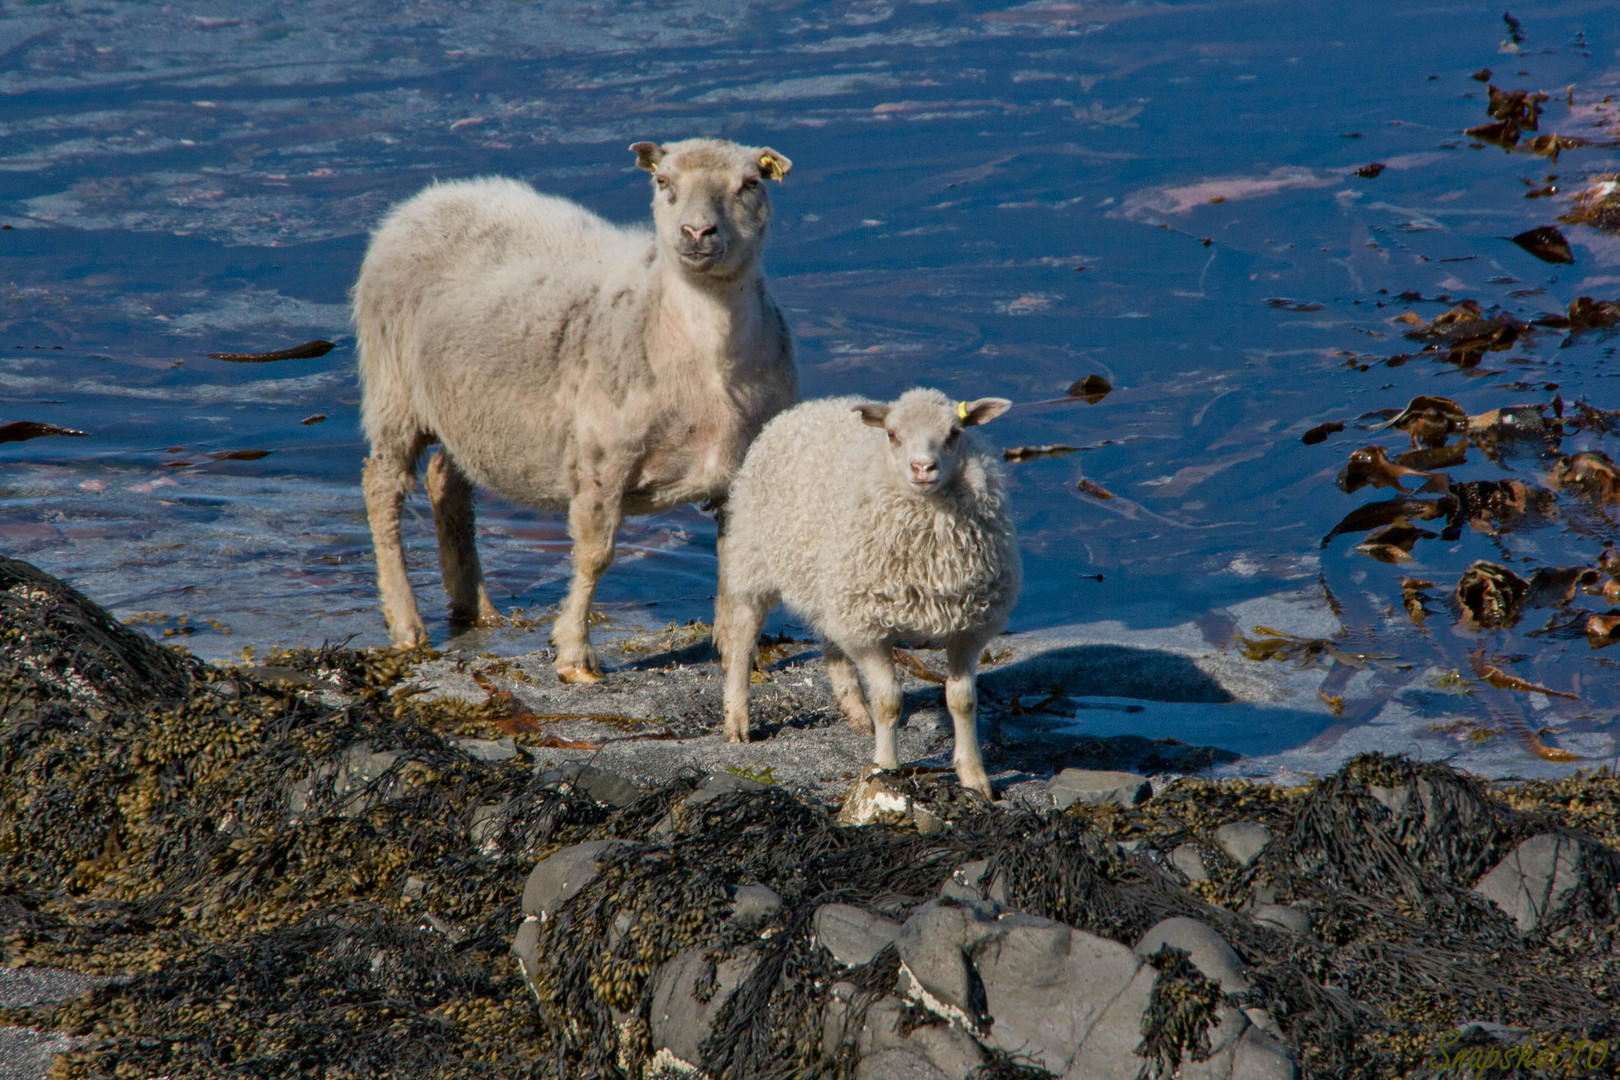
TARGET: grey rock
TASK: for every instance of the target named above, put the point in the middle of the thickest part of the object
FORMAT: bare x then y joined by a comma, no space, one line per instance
1535,879
1243,841
487,749
1282,916
1207,950
1109,1050
360,778
678,1021
752,906
485,825
1394,799
1096,786
712,787
557,879
526,947
605,787
1046,985
930,946
1261,1057
1224,1036
897,1065
946,1047
853,935
966,884
1190,862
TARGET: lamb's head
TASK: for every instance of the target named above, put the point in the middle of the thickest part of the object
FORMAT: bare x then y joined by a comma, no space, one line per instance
710,206
924,427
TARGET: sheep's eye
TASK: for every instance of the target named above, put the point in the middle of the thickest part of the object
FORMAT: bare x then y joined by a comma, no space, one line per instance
950,440
894,439
663,181
751,183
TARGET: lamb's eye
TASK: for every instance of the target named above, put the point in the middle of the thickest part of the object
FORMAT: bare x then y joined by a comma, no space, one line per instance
751,183
894,440
950,440
663,181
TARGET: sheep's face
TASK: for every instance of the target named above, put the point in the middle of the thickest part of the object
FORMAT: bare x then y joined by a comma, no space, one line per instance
924,430
710,205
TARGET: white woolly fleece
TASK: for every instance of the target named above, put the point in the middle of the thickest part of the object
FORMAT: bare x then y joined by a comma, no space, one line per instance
818,518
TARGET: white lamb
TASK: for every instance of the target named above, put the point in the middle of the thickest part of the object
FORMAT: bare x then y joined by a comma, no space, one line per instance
567,363
878,524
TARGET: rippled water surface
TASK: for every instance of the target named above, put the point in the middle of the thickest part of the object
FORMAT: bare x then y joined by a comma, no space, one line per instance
992,199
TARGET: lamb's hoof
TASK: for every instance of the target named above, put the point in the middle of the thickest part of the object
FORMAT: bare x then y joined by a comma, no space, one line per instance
411,639
577,675
981,785
736,736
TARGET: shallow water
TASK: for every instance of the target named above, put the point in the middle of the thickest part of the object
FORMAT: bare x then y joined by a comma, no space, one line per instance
200,178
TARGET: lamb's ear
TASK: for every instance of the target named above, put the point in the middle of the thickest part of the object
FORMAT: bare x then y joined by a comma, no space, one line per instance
982,411
873,415
648,155
773,166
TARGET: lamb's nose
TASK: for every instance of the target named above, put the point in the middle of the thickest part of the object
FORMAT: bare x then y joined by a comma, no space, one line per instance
698,232
923,470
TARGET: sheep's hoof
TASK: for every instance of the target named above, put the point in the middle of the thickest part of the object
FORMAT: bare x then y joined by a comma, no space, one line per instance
981,785
736,736
577,675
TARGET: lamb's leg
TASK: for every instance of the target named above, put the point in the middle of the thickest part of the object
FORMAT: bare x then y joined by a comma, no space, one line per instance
883,694
847,688
452,496
593,523
738,620
962,698
388,476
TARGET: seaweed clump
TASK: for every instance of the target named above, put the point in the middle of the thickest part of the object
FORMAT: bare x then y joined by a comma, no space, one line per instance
290,880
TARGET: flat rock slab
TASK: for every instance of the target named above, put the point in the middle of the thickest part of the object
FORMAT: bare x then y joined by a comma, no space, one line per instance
853,935
1535,879
1097,786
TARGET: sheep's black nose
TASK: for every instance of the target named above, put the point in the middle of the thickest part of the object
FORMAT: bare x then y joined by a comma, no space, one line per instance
698,232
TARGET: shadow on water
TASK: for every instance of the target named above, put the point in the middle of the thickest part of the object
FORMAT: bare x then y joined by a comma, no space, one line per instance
1111,671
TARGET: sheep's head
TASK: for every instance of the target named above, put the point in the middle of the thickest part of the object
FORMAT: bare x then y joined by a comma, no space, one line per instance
924,428
709,202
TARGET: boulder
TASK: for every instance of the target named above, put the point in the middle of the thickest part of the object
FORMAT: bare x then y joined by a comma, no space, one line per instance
752,906
712,787
1243,841
853,935
602,786
1534,880
966,884
1095,786
678,1021
885,798
1207,950
557,879
930,945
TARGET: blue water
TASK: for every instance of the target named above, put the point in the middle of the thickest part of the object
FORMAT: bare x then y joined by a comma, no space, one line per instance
195,178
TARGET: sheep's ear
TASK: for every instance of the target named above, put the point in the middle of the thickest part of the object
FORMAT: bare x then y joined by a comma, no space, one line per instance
648,155
773,166
873,415
982,411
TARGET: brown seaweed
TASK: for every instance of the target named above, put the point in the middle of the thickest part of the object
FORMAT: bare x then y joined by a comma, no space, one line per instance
309,350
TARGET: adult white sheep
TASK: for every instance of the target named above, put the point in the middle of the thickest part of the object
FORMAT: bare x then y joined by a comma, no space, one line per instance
567,363
874,541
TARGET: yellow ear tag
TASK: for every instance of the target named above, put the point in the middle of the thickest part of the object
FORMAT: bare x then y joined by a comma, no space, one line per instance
961,410
771,167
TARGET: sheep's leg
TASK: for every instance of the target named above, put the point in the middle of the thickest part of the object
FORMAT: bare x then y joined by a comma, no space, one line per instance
883,694
452,496
738,621
847,688
962,698
388,476
593,523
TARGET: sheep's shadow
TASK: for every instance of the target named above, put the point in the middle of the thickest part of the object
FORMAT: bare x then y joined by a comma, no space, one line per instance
1119,671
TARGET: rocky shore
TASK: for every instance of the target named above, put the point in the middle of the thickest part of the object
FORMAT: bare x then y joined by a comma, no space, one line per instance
367,864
